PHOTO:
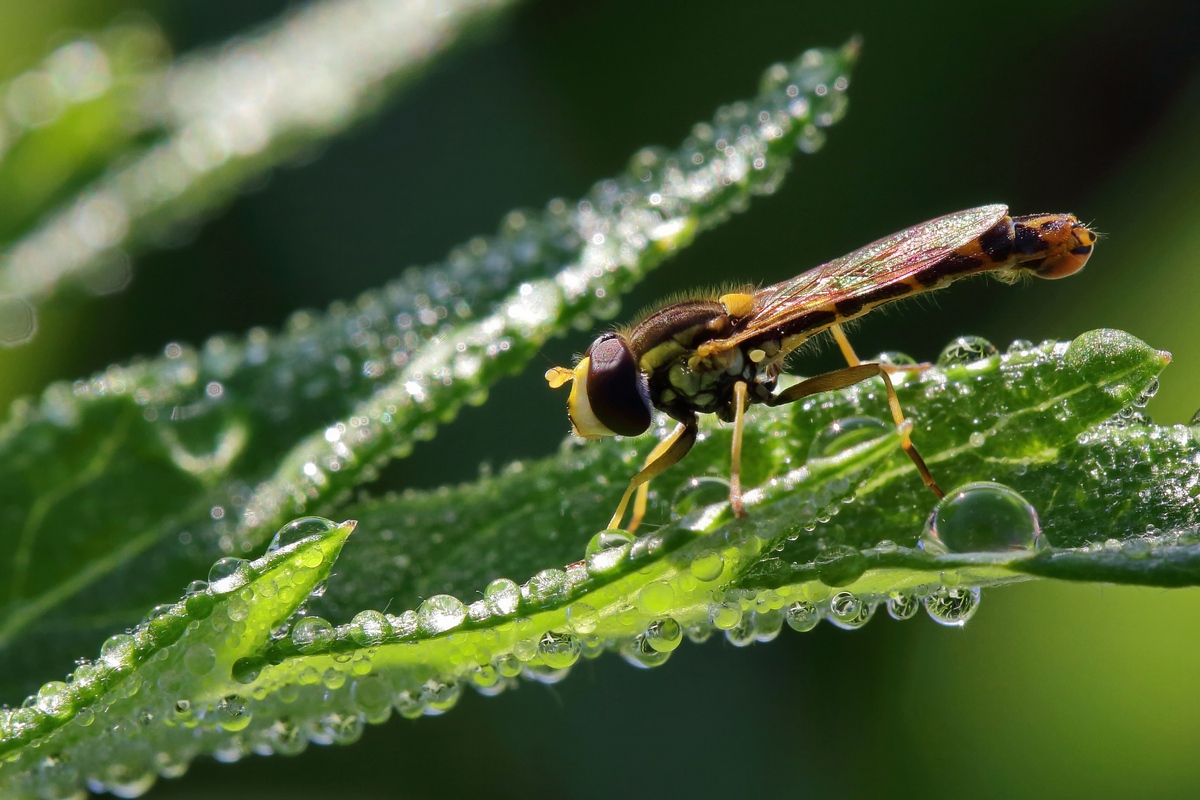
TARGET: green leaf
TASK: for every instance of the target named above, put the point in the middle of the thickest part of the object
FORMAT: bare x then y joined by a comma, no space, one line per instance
116,490
1060,413
134,712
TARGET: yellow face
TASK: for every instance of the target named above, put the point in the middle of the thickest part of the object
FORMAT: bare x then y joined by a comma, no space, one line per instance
608,395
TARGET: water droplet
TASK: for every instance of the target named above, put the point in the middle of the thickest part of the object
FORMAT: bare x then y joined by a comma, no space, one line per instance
902,606
849,612
502,597
840,565
299,529
698,492
546,586
508,665
707,565
232,713
312,634
966,349
982,517
558,650
228,574
803,616
606,550
1147,394
656,597
369,628
725,615
841,435
894,358
664,635
18,321
199,659
638,652
246,670
582,618
54,699
198,602
373,698
440,613
952,606
117,651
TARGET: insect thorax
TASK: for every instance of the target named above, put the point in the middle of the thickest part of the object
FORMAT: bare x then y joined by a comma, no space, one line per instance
683,382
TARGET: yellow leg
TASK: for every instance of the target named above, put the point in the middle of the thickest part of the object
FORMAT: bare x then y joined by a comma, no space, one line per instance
735,460
840,379
664,456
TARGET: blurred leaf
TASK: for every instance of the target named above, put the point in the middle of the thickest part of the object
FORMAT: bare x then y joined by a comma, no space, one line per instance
116,490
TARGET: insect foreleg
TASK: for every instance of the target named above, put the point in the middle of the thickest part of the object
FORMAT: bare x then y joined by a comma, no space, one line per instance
842,378
664,456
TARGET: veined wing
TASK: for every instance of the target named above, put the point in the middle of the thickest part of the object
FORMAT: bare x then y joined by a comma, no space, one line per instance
888,261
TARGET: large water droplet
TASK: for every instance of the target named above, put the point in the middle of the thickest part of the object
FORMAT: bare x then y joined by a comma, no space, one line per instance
229,574
582,618
370,628
707,565
656,597
966,349
299,529
840,565
440,613
664,635
841,435
232,713
849,612
638,652
952,606
18,321
502,597
558,650
607,550
54,699
902,606
803,616
982,517
312,634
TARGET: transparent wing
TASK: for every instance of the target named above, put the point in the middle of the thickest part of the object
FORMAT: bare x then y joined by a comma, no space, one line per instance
890,260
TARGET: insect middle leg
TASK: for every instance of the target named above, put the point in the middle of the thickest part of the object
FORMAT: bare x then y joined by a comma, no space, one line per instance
840,379
664,456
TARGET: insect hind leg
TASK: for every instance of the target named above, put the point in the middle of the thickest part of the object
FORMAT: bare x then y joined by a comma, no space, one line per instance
857,373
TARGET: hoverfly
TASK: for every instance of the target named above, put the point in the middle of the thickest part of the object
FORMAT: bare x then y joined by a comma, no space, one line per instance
719,355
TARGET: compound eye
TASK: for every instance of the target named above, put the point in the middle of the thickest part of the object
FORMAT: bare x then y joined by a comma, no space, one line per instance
616,389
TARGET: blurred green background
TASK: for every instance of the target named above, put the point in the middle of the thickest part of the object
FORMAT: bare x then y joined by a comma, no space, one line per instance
1092,108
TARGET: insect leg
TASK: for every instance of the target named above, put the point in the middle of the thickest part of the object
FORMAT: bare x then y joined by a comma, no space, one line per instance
735,460
853,360
665,455
840,379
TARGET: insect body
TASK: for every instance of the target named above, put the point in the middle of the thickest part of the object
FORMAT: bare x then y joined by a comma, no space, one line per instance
723,354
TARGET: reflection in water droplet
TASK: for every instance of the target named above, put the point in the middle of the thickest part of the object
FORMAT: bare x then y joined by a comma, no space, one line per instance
228,574
232,713
664,635
902,606
440,613
803,616
952,606
638,652
966,349
299,529
894,358
558,650
502,597
312,634
606,550
982,517
841,435
849,612
582,618
1147,394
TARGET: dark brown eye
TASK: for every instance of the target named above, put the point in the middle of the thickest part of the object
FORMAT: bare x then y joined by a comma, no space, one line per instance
616,389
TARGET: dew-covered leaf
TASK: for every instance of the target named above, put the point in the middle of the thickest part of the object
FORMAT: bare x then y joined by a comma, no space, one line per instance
170,688
118,488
